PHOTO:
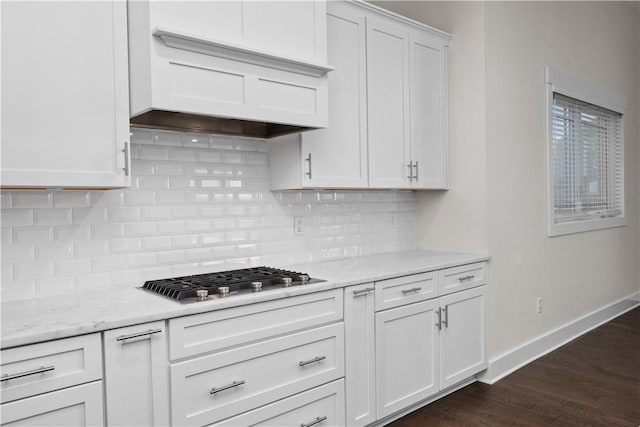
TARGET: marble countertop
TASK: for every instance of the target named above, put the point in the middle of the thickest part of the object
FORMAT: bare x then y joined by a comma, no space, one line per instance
43,319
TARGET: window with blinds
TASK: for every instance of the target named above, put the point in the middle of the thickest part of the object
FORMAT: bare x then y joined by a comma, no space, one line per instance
587,161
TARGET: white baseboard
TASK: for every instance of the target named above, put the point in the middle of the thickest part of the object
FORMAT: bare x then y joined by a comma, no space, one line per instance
513,360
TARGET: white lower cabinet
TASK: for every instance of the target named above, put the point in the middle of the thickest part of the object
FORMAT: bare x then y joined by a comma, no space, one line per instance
406,356
359,304
136,375
74,406
462,347
400,356
321,406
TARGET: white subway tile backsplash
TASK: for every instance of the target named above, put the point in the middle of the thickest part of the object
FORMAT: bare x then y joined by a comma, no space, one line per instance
16,217
125,245
5,201
72,267
89,215
156,243
29,235
32,199
155,212
18,254
153,152
198,203
123,214
52,251
55,286
33,270
90,248
147,228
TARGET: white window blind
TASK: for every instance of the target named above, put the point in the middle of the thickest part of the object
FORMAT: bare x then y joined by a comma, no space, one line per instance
587,158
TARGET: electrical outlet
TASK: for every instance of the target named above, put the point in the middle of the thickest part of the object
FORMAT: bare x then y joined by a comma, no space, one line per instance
298,226
393,219
539,305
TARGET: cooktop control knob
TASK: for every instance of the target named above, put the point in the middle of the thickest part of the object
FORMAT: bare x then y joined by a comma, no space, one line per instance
256,286
202,294
287,281
223,291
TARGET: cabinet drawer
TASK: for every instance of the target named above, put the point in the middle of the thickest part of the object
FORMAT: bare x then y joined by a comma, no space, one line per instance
323,405
75,406
222,385
463,277
192,335
38,368
406,290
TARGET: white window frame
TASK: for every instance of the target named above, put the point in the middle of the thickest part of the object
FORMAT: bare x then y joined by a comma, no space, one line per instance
557,81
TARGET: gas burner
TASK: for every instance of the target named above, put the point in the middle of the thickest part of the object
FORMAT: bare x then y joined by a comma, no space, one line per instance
202,287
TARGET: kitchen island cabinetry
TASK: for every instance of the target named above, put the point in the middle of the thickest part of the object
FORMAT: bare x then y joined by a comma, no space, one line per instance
65,96
136,375
387,108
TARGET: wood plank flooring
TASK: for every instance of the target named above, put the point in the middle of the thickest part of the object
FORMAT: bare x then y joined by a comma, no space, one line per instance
592,381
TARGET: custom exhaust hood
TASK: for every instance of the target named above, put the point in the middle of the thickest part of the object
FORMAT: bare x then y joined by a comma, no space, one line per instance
244,68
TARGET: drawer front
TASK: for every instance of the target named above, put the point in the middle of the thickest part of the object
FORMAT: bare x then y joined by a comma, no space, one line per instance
201,333
222,385
463,277
75,406
406,290
39,368
322,406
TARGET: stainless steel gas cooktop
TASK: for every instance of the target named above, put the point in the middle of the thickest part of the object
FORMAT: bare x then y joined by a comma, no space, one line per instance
201,287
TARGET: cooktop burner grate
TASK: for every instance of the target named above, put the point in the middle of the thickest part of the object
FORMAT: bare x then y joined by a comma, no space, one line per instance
238,281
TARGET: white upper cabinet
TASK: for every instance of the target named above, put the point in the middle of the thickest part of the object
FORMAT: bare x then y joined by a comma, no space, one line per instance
387,108
256,61
65,104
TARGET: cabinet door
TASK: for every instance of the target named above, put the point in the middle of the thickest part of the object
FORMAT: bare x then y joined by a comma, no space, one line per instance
65,114
75,406
136,375
337,156
462,349
407,356
427,58
388,104
359,323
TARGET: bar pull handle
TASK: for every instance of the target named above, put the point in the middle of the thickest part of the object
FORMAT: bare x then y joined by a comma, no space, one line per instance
215,390
125,150
310,361
416,168
40,370
410,166
439,322
464,278
138,334
363,291
445,320
308,159
318,420
408,291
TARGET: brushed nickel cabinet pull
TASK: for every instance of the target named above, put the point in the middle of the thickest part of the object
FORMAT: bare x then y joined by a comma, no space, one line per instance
439,322
363,291
318,420
308,159
463,278
215,390
138,334
40,370
125,150
416,168
408,291
410,166
445,320
310,361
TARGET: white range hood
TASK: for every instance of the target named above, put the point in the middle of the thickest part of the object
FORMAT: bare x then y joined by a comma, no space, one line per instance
252,68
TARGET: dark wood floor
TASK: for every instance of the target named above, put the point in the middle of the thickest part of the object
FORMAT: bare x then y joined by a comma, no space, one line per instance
592,381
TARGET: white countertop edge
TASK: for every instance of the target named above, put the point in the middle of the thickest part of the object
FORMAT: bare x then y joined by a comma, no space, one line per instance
44,319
